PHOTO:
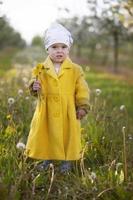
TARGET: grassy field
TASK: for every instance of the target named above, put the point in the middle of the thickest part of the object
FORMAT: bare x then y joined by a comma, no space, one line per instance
104,171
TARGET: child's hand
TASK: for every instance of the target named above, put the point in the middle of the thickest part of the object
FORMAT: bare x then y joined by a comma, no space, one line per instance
36,86
80,113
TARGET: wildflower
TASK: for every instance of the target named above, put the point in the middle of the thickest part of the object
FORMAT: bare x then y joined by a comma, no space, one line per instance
20,145
98,92
59,192
93,175
51,165
87,68
27,98
130,137
20,92
9,116
103,137
122,107
25,79
11,100
121,177
26,85
118,165
123,128
94,188
66,188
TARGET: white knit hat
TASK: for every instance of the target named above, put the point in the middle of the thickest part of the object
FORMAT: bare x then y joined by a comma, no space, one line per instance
57,33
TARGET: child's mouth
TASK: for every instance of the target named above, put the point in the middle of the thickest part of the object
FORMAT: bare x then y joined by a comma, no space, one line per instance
59,56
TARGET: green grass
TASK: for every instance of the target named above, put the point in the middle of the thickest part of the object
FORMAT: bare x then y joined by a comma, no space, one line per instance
6,57
115,90
99,174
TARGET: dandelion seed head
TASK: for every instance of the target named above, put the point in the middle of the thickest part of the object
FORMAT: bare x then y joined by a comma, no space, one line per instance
87,68
123,128
122,107
59,191
94,188
51,165
20,145
130,137
11,100
20,92
98,92
25,79
27,98
93,175
103,137
118,165
66,188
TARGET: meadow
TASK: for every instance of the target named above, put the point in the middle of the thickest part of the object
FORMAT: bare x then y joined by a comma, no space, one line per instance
104,171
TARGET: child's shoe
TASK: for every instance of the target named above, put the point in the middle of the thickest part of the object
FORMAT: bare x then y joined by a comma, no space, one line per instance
44,165
65,167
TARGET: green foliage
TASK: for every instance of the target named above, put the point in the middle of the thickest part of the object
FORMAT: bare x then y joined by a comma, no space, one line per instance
37,41
8,36
6,58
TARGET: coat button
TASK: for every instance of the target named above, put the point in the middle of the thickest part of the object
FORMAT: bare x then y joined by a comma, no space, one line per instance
56,114
56,98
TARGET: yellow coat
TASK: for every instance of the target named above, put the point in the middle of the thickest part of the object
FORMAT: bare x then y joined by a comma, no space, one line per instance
55,130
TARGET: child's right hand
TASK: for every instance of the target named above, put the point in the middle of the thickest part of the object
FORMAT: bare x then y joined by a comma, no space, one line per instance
36,86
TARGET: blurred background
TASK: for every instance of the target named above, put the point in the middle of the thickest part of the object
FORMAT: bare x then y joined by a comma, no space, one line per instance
102,32
103,46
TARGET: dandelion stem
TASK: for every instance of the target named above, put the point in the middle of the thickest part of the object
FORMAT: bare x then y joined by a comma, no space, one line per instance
106,190
51,181
124,153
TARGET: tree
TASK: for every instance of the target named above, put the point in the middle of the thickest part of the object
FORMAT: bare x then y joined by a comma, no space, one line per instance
80,29
8,36
110,21
37,41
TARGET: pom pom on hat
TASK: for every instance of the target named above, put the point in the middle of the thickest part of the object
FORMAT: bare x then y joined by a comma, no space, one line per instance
57,33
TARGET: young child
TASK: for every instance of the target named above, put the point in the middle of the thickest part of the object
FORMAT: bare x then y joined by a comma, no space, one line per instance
63,100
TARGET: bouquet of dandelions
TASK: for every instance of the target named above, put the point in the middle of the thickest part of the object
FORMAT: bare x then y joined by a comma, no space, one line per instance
36,76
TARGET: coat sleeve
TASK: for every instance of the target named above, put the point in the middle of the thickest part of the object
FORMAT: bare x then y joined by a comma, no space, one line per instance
82,92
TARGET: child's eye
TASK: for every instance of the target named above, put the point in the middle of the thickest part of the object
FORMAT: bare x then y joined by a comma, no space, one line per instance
54,47
64,46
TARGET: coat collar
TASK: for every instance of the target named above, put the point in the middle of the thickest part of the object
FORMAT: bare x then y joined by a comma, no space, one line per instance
48,65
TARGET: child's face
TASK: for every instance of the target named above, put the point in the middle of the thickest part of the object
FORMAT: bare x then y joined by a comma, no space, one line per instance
58,52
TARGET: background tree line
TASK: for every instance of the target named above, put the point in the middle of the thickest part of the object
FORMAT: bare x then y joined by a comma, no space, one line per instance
8,36
102,37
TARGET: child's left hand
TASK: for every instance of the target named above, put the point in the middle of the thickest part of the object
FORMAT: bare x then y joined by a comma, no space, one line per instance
80,113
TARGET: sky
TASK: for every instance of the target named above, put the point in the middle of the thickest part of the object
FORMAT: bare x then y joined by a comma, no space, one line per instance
32,17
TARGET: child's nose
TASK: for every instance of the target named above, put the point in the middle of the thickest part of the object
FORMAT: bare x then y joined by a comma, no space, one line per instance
59,49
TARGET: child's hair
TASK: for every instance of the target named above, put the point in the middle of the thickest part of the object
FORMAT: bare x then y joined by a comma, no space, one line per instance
57,33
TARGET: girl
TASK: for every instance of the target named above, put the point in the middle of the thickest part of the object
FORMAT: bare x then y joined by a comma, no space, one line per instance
63,100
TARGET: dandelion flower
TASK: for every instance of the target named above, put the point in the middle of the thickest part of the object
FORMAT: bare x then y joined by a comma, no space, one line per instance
20,145
98,92
11,100
122,107
20,92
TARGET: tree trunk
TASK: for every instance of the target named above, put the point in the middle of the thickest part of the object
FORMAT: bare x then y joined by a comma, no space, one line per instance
116,50
78,50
